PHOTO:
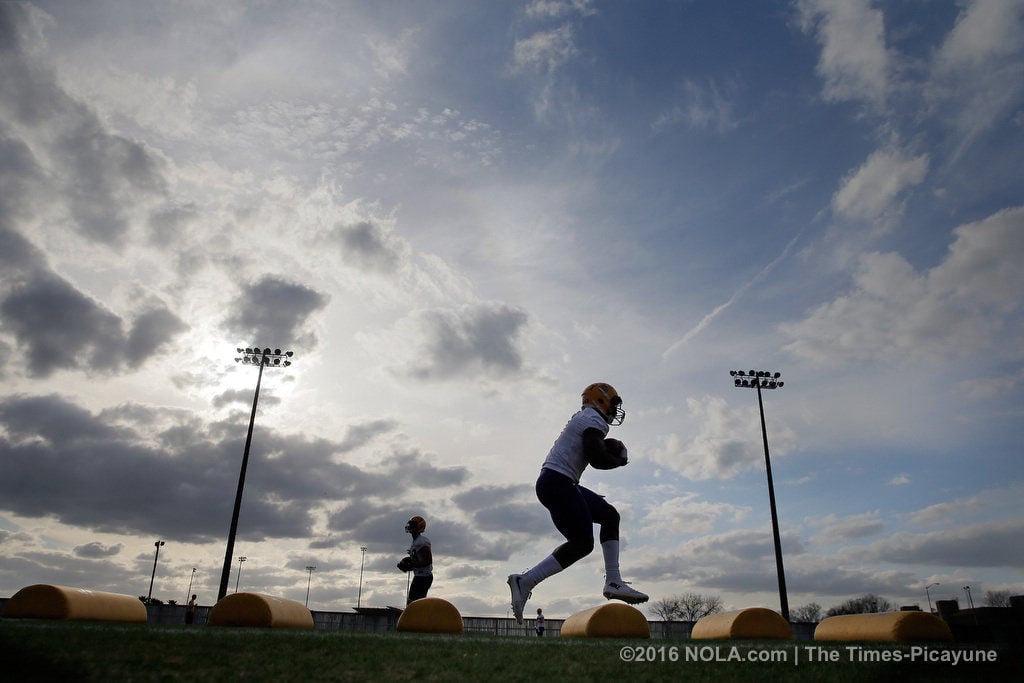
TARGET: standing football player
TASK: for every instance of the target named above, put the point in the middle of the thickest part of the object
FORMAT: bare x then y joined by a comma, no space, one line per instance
420,561
575,509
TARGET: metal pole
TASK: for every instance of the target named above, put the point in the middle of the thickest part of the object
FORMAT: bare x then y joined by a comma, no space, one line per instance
149,598
359,597
188,593
309,568
238,578
229,551
783,599
928,595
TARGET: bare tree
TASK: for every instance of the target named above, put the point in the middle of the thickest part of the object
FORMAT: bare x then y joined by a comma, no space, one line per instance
809,613
869,603
997,598
687,607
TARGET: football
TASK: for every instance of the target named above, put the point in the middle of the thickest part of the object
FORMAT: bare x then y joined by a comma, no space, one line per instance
614,446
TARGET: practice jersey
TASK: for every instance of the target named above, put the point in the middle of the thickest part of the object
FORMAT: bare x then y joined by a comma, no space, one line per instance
419,543
566,455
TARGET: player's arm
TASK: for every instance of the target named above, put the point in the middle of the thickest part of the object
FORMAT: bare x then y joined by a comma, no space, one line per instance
601,453
424,558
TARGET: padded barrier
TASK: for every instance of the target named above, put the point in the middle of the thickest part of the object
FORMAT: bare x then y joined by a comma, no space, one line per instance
430,615
612,620
256,609
44,601
898,627
752,623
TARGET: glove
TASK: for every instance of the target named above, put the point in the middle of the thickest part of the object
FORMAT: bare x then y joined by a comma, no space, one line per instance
405,564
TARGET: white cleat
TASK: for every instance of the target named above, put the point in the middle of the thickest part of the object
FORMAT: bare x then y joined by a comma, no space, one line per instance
620,591
518,597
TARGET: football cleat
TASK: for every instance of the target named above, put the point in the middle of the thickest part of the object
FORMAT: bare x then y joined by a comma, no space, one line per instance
518,598
620,591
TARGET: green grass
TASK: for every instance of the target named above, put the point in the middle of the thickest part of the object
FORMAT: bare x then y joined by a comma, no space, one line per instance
79,651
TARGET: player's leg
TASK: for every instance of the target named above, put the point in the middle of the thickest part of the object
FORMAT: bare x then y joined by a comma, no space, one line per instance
605,514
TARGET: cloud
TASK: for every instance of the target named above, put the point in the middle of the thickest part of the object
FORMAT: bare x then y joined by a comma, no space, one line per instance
707,107
687,515
854,62
545,51
988,544
366,246
473,339
98,550
834,529
961,307
871,191
275,311
61,328
720,448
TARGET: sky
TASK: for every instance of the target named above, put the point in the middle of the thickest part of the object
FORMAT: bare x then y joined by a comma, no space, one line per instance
458,215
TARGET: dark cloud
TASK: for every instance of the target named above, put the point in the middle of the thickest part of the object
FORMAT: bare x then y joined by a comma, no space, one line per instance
99,176
244,397
472,340
97,550
367,247
60,328
139,469
274,312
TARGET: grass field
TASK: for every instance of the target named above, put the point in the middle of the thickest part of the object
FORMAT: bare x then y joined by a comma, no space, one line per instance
33,650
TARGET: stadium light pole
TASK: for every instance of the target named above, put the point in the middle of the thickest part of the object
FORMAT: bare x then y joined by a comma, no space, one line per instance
362,559
928,595
970,600
241,559
149,598
263,358
763,379
309,568
188,593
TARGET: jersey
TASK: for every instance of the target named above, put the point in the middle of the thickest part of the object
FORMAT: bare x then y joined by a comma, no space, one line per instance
566,455
418,544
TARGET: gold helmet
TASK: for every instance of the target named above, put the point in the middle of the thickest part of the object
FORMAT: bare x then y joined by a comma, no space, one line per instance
416,525
603,398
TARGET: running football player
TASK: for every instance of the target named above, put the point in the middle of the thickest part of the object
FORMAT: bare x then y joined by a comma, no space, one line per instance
420,560
575,509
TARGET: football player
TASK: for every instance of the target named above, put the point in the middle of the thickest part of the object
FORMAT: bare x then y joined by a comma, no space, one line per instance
420,561
575,509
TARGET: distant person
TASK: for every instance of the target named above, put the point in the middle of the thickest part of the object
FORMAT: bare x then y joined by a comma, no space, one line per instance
539,623
190,611
575,509
420,561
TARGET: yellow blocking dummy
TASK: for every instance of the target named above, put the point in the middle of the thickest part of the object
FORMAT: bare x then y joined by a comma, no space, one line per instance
256,609
43,601
898,627
752,623
613,620
430,615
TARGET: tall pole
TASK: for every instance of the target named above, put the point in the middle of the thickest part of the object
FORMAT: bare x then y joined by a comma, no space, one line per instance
755,380
928,595
238,578
149,598
359,596
188,593
264,358
309,568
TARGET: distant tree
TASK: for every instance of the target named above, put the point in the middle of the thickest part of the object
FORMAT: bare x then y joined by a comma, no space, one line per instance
809,613
869,603
997,598
687,607
172,602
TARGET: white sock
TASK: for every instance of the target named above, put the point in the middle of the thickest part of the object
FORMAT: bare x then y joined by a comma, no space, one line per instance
547,567
611,562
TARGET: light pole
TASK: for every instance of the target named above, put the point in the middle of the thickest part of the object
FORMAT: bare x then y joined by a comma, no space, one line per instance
970,600
763,379
241,559
359,596
188,593
149,598
264,358
928,595
309,568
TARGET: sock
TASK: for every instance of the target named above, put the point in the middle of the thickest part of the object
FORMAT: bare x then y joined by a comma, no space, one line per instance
547,567
611,562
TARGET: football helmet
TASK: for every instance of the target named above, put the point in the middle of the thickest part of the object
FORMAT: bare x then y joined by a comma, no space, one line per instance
416,525
603,398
